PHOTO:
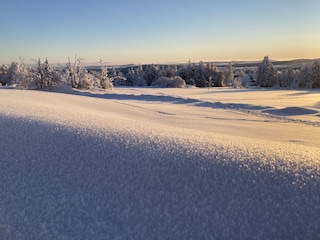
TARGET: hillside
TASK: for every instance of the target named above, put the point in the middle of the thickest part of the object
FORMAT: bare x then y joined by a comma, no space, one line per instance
155,163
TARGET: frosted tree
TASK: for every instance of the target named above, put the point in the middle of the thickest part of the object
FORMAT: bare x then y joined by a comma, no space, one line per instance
169,71
78,75
3,69
120,79
315,74
105,81
188,73
151,73
46,76
229,77
3,74
304,77
140,71
113,72
19,75
200,74
267,73
130,76
287,78
139,79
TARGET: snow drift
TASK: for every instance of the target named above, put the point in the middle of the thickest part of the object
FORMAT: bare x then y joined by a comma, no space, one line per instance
151,163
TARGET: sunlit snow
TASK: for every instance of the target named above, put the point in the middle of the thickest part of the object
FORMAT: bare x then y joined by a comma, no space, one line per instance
160,163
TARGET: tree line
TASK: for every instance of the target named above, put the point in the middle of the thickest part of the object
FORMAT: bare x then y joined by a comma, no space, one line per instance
304,77
76,75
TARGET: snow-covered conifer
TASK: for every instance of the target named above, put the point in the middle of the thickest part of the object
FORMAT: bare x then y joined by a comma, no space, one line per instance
315,73
136,77
130,76
46,76
267,73
140,71
105,81
169,71
151,73
3,74
304,77
287,78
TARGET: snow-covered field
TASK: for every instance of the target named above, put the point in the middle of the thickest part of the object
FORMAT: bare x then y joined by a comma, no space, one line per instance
160,163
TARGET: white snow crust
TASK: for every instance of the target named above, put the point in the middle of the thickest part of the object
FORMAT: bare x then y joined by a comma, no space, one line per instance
160,163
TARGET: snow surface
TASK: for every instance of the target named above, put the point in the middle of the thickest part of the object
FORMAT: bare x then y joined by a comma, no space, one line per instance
158,163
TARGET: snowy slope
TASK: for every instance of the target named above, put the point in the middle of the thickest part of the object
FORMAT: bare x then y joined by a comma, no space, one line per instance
153,163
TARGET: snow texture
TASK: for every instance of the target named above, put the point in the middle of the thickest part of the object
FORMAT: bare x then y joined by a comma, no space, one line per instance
154,163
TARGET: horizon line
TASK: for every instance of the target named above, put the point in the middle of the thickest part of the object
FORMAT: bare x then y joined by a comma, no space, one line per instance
170,62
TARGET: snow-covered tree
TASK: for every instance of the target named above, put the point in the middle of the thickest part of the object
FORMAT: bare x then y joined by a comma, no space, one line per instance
229,77
151,74
199,75
105,81
3,69
315,74
78,75
188,73
135,76
304,77
267,73
139,71
287,78
19,74
47,76
3,74
169,71
130,76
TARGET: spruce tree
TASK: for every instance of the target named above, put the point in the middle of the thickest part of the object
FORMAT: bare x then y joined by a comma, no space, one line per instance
267,73
316,74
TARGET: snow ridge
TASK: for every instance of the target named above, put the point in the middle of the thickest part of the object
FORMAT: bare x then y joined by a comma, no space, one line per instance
287,114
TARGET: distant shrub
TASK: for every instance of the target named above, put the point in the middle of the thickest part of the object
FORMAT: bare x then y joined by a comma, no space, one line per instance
175,82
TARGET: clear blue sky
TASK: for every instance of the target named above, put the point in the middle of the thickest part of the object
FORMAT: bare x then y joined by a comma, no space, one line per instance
148,31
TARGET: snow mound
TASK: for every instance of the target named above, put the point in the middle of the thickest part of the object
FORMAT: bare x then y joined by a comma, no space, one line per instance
291,111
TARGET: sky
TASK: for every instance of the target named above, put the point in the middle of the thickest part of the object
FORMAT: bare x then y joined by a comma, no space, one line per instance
166,31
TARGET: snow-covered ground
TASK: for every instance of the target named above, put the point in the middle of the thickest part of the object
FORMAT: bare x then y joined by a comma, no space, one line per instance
159,163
